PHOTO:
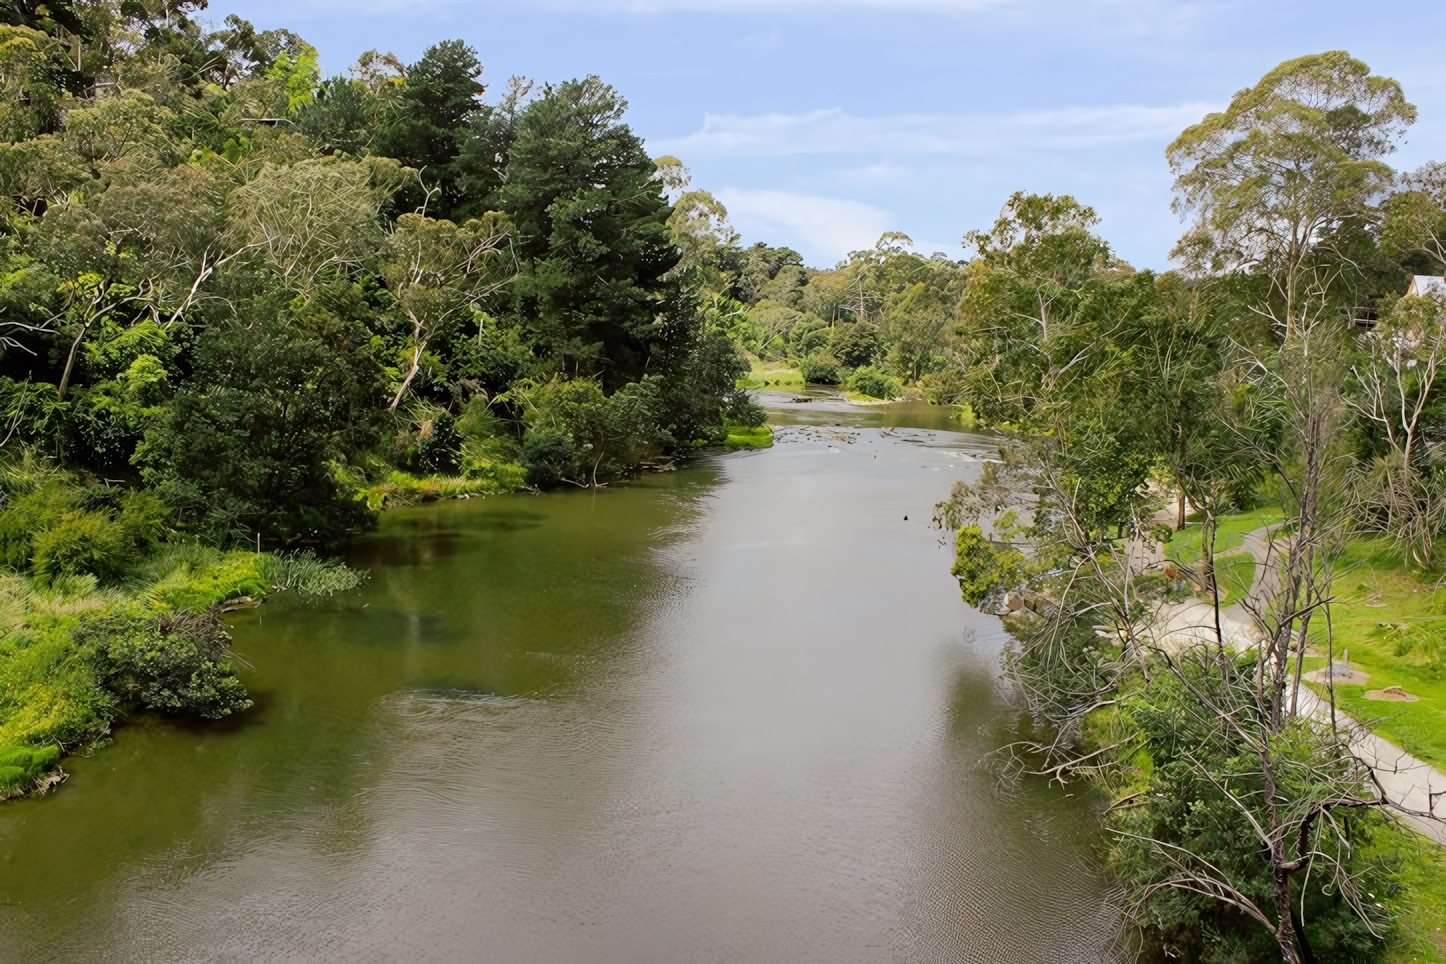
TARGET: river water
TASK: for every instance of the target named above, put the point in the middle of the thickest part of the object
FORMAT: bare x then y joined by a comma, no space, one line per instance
730,713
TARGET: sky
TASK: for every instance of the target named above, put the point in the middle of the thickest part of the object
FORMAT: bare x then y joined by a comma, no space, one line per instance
823,123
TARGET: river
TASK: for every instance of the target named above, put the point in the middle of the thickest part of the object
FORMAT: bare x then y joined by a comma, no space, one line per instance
729,713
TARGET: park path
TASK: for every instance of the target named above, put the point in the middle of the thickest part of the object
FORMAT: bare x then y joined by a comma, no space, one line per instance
1406,781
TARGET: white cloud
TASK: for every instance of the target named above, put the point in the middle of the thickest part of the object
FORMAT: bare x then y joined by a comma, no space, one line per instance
828,228
836,132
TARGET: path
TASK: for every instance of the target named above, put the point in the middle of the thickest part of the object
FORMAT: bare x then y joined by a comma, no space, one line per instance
1406,781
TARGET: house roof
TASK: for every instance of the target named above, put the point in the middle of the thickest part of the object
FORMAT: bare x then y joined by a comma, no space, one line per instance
1426,284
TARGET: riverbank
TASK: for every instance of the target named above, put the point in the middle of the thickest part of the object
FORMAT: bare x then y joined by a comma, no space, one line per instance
1389,625
540,728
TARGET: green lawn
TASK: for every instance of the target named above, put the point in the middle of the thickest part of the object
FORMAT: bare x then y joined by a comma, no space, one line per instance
1235,575
1394,626
1230,533
1420,909
772,375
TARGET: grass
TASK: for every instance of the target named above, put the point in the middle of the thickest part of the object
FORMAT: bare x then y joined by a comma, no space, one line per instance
403,488
1235,575
1393,624
741,437
1230,533
772,375
1419,909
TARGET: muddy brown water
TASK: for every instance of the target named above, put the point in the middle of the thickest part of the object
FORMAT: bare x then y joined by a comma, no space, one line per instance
730,713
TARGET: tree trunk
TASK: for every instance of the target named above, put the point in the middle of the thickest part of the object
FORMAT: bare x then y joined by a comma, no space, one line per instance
1285,936
416,367
1180,511
70,360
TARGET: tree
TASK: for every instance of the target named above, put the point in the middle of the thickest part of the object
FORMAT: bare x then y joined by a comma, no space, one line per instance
315,218
28,93
424,128
245,447
596,290
1397,397
1415,218
440,272
1291,162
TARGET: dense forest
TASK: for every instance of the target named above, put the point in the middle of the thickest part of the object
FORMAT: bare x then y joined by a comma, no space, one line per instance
243,307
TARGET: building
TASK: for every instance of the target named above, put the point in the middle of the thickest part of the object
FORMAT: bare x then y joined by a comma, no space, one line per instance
1425,284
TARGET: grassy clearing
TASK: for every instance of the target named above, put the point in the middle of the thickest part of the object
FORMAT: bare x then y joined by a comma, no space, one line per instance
1230,534
1393,624
741,437
772,375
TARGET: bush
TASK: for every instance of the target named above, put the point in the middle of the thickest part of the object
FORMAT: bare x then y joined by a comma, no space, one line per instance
820,369
547,457
82,542
576,432
873,383
174,664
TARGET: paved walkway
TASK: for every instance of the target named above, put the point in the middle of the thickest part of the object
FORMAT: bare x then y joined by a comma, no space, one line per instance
1406,781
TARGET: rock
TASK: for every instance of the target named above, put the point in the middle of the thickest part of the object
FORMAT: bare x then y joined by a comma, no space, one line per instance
1013,601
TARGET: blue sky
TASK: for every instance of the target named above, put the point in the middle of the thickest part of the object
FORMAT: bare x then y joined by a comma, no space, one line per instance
822,123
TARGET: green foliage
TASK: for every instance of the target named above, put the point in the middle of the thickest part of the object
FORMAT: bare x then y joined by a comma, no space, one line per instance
22,766
595,291
440,96
245,448
79,542
1188,778
820,369
985,570
869,381
173,664
304,572
577,434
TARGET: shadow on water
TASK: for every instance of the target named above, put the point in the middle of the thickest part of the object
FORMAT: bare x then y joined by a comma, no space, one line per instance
733,712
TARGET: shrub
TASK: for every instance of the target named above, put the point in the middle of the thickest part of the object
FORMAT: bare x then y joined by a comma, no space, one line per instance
873,383
82,542
820,369
546,456
175,664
